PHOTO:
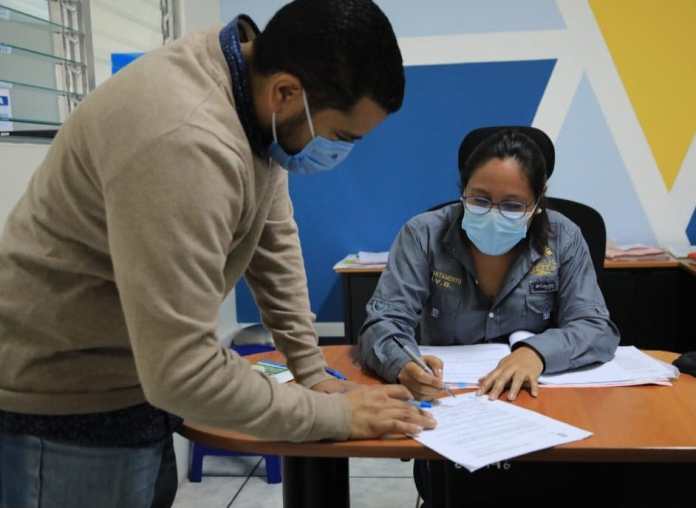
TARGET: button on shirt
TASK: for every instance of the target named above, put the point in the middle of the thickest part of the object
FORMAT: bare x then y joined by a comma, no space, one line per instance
430,280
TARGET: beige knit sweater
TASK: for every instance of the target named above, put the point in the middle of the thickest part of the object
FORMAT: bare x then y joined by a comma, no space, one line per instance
148,209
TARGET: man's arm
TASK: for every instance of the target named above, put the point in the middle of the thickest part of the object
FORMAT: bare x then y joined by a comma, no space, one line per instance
277,277
171,216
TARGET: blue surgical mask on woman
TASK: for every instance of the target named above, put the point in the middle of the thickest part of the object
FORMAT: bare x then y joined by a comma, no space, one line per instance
492,233
320,154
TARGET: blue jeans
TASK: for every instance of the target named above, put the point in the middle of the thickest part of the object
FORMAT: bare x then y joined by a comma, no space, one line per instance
40,473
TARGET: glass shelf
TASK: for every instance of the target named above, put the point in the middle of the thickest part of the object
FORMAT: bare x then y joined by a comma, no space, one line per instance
9,14
7,83
32,121
6,50
42,64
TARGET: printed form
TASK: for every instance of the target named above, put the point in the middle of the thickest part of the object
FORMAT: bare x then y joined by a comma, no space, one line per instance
475,431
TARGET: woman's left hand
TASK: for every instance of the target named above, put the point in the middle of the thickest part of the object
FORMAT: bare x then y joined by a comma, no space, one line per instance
520,368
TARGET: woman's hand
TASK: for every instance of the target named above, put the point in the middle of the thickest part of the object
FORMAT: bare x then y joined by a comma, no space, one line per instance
422,385
520,368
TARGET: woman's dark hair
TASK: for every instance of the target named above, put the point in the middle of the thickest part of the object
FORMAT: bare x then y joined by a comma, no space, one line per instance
511,143
341,51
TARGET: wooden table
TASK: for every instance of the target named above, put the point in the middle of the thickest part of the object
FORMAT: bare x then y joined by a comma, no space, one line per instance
630,424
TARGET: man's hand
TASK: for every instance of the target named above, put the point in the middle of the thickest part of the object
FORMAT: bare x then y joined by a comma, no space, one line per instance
335,386
380,410
422,385
522,367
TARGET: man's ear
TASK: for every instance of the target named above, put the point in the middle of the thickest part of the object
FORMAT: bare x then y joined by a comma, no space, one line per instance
285,95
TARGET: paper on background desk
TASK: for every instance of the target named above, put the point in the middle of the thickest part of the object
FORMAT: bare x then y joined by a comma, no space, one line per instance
351,261
475,432
465,365
372,258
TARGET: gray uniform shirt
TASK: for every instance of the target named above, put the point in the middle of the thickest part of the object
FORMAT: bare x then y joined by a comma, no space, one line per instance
430,280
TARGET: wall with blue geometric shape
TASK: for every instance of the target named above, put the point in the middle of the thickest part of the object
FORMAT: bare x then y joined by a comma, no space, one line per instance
407,165
554,64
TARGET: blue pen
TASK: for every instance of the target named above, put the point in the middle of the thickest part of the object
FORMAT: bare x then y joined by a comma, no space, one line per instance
336,374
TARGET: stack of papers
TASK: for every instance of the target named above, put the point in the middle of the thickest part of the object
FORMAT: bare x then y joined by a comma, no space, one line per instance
372,260
633,251
629,367
475,432
465,365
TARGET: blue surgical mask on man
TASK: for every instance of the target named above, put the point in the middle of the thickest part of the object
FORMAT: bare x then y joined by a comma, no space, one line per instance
492,233
320,154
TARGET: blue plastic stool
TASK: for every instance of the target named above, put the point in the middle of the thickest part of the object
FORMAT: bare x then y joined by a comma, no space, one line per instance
198,451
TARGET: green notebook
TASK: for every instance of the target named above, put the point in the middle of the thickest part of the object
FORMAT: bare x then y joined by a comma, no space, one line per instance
278,371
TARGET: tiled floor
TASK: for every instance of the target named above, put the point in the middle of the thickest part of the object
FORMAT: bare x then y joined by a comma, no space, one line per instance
240,482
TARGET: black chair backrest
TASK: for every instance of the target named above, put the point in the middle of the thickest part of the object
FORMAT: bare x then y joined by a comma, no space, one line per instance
588,219
442,205
591,225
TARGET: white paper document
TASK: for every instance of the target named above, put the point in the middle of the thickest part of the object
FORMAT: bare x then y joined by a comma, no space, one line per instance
630,366
475,432
465,365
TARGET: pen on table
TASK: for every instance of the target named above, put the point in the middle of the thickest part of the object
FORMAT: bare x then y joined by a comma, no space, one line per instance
419,361
422,404
336,374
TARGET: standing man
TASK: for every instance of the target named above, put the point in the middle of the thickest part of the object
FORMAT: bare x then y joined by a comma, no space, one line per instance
161,190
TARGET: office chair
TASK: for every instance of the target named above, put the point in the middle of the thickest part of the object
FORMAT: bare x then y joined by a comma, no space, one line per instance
591,226
248,341
442,205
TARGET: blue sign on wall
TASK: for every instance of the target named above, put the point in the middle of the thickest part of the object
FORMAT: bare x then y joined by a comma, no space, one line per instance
120,60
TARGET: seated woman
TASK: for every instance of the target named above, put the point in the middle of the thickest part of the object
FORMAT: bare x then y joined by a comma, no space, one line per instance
492,264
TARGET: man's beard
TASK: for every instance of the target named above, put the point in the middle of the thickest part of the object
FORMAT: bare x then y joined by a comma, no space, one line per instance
287,130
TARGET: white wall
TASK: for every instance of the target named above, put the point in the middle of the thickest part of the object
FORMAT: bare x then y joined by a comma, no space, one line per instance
17,164
123,26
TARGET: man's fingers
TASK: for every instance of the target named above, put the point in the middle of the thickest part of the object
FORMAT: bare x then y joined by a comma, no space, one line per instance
534,386
424,393
349,386
402,423
397,392
398,427
419,417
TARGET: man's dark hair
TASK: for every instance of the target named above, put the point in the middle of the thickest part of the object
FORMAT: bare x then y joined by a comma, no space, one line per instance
511,143
341,51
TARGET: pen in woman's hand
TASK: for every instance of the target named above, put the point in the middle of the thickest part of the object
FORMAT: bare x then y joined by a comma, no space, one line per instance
419,361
